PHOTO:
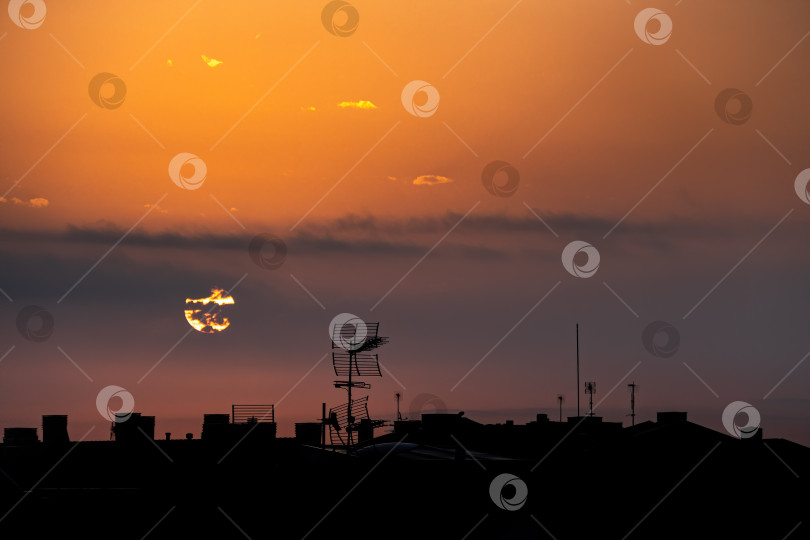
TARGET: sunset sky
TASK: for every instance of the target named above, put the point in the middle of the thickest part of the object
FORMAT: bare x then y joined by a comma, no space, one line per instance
304,135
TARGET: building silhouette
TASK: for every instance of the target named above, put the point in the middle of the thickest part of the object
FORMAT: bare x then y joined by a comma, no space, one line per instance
426,477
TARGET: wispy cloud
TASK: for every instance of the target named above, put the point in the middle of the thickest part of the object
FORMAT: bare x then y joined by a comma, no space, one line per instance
36,202
362,104
358,234
431,180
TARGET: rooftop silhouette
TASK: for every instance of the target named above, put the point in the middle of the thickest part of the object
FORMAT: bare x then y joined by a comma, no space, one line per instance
428,477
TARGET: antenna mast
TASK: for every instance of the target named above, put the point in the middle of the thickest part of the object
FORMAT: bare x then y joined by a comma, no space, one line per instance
560,399
632,387
399,415
590,388
577,369
357,339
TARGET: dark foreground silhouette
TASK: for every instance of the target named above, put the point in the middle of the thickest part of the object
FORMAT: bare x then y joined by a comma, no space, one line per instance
427,479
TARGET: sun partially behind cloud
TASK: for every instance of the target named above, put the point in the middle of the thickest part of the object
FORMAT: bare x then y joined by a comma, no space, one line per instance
208,321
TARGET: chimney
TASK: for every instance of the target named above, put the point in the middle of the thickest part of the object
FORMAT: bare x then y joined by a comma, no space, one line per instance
54,429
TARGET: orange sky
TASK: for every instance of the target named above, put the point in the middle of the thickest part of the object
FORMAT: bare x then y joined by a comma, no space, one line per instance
615,115
500,99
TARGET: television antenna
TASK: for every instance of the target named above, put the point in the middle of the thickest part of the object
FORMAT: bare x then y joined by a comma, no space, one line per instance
339,420
633,389
399,414
590,389
355,339
560,398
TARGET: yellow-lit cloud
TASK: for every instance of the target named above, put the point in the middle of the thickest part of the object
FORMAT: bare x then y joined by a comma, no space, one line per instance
169,62
431,180
211,61
36,202
310,108
362,104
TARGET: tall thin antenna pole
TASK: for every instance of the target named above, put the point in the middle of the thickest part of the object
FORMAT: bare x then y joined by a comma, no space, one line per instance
323,425
632,386
560,399
577,370
350,418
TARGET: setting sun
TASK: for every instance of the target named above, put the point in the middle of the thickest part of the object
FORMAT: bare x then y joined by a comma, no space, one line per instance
212,319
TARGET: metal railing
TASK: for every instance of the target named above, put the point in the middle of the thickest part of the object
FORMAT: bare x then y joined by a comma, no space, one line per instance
247,414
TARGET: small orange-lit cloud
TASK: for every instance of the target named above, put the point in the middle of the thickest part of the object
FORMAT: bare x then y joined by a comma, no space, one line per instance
211,61
362,104
169,62
310,108
36,202
431,180
210,320
158,208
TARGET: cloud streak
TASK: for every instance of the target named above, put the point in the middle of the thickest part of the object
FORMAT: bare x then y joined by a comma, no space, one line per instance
362,104
431,180
36,202
356,233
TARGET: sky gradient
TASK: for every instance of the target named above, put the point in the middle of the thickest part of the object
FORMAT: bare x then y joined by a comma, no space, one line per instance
617,142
